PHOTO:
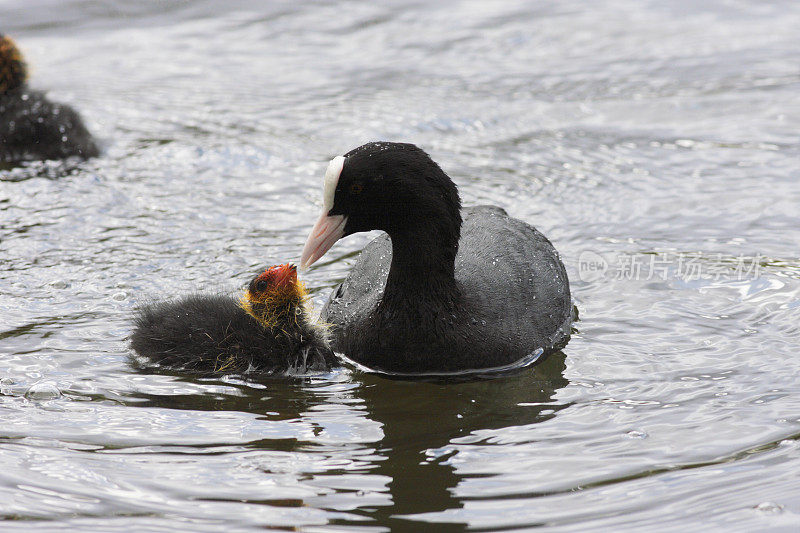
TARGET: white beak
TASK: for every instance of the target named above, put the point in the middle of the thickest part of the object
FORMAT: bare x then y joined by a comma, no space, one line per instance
324,234
328,229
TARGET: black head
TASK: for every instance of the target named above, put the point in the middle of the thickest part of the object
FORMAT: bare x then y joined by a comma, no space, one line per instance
394,187
13,71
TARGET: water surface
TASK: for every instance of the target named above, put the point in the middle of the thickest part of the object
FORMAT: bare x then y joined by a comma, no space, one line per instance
654,143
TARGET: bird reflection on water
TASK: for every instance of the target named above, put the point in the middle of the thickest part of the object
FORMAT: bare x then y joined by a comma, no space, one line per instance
420,421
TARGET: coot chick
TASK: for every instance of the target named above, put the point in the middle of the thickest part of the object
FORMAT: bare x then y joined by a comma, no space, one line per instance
446,289
32,127
268,330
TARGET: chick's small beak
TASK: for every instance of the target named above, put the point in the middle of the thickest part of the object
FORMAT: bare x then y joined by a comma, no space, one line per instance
285,276
327,230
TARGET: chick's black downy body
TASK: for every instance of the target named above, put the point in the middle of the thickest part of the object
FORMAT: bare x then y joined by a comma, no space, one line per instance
33,128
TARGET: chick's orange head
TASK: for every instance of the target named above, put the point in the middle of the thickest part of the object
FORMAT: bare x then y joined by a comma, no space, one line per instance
275,279
13,71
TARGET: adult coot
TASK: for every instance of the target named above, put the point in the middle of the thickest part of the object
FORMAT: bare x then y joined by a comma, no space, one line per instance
269,330
32,127
446,289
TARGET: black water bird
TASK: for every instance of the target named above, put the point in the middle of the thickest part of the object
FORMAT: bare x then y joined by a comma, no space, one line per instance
446,289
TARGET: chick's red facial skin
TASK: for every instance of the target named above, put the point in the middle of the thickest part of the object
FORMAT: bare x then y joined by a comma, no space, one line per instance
275,278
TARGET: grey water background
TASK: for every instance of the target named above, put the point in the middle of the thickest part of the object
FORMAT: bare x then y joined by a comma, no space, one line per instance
645,134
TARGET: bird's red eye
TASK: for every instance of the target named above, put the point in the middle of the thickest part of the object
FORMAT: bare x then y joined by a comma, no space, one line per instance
356,188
